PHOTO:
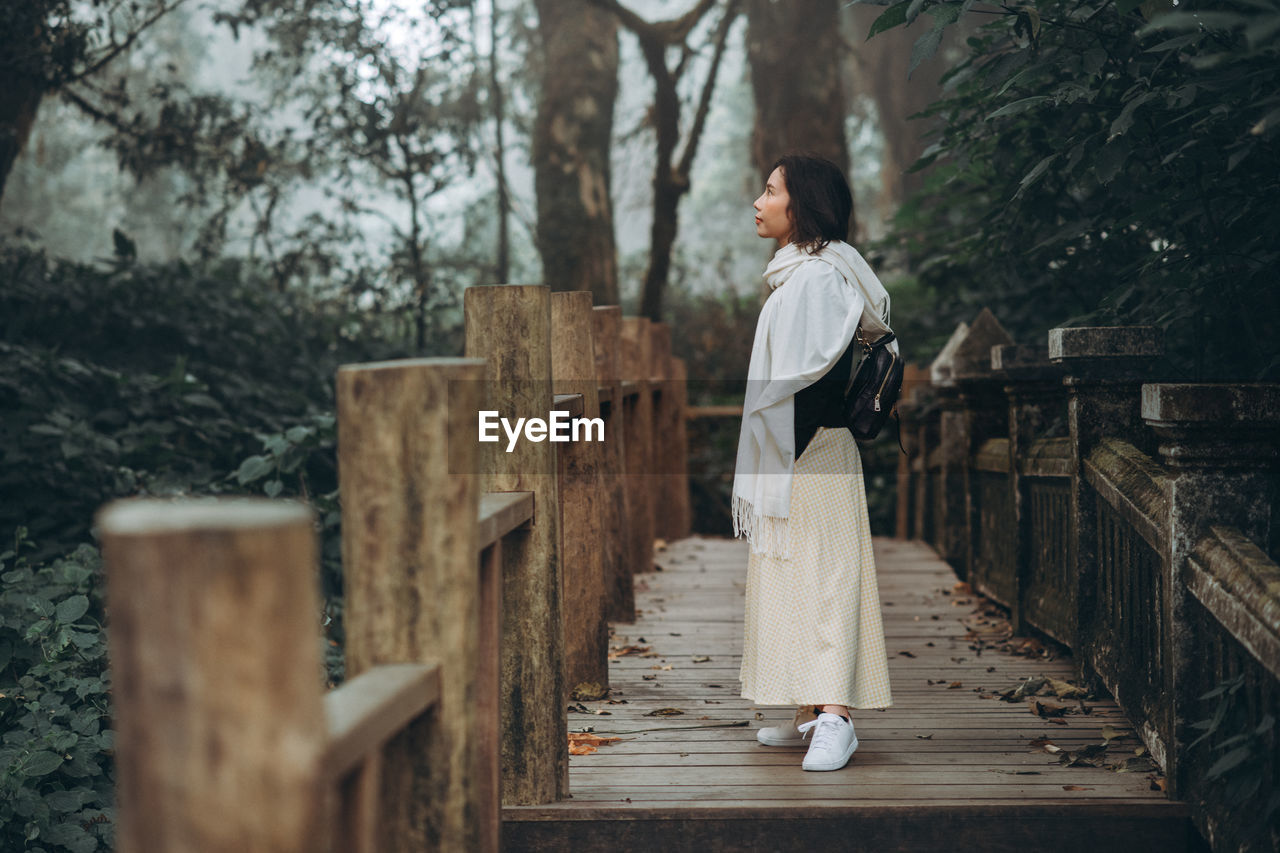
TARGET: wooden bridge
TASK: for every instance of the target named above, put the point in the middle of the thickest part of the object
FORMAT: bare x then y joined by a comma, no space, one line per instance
480,585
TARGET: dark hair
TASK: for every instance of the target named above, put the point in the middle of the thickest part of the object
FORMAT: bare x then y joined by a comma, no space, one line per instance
821,202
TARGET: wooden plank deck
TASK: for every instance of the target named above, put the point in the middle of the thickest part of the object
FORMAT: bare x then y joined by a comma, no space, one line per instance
950,766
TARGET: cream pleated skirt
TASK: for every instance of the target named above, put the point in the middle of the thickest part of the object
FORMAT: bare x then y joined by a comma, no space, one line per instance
813,632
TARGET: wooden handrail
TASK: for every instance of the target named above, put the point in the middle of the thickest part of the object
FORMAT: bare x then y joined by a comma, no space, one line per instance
501,513
370,709
571,403
694,412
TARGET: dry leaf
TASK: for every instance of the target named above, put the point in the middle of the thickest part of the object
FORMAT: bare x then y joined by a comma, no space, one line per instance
1067,690
585,743
907,654
925,737
589,691
953,685
701,659
665,712
1075,788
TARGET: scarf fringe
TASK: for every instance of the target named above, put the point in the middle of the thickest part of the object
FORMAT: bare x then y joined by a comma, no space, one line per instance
767,533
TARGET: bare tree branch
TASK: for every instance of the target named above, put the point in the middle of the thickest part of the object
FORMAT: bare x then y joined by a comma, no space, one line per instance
662,32
704,101
117,49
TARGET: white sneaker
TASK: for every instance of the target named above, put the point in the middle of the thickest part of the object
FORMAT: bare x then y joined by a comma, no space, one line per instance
833,742
785,735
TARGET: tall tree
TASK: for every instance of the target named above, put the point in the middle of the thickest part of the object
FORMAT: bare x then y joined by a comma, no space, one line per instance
877,73
571,140
671,174
795,51
49,45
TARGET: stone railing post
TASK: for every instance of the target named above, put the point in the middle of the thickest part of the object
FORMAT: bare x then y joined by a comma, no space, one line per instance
1104,369
1033,388
982,410
510,327
1219,443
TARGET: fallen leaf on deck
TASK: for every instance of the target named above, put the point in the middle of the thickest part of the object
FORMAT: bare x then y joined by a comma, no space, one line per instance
665,712
650,655
953,685
585,743
618,652
759,716
1040,741
648,677
1016,772
907,654
589,691
701,659
1158,784
1075,788
1044,709
1067,690
925,737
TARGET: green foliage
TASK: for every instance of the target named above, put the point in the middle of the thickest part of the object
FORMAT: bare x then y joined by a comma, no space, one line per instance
158,380
1109,163
56,775
1239,773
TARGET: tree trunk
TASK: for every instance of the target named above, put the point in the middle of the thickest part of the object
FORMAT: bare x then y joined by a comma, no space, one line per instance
571,143
20,97
800,105
503,264
880,71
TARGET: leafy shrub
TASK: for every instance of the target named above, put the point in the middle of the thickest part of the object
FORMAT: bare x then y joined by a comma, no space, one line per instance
1107,163
56,775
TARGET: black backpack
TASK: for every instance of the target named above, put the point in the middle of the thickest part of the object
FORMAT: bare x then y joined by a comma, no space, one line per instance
873,388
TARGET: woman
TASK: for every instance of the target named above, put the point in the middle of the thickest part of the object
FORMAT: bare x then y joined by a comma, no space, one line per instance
813,636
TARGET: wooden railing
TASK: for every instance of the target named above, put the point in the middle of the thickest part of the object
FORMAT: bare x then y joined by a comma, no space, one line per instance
477,586
1134,521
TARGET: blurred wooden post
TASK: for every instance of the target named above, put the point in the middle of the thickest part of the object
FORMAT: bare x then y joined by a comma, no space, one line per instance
216,675
679,513
510,326
406,455
573,367
669,493
638,426
614,547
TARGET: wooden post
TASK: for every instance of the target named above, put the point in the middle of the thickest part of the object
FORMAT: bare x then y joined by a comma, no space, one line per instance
614,548
510,326
679,511
638,423
573,368
216,675
406,457
669,487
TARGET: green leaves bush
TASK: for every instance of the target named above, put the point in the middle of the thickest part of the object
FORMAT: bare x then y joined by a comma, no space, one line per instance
1106,163
126,380
56,773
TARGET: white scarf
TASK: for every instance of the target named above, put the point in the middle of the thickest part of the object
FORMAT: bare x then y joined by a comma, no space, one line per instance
802,331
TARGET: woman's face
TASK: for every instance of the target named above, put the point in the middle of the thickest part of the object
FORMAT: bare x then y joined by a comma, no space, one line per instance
773,219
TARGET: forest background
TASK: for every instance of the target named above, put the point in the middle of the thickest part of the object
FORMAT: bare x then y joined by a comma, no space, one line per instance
206,206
